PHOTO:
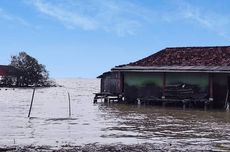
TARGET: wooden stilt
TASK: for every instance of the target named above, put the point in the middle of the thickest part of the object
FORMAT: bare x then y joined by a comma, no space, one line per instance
163,104
184,105
95,100
138,101
105,99
227,107
205,106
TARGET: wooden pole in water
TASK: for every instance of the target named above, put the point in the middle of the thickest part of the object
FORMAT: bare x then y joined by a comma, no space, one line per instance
32,100
69,105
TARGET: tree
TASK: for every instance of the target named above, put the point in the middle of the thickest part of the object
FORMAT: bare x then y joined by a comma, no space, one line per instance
31,72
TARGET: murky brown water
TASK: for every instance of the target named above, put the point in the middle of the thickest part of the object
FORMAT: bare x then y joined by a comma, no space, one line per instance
165,128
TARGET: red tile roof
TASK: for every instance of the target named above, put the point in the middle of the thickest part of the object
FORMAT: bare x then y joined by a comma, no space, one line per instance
8,70
188,56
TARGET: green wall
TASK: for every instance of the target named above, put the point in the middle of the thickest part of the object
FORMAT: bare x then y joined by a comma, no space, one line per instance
199,79
141,79
138,85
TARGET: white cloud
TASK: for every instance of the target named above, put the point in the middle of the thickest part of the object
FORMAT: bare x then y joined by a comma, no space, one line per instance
210,20
121,17
12,18
70,19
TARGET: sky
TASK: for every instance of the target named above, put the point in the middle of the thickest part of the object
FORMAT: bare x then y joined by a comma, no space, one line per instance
84,38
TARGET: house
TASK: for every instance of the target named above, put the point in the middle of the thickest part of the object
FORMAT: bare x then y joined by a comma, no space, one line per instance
199,75
9,71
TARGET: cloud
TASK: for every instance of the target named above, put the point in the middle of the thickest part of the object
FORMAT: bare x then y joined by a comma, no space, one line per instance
121,17
12,18
210,20
68,18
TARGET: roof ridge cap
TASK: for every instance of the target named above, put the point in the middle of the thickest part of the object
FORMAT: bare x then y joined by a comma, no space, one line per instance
181,47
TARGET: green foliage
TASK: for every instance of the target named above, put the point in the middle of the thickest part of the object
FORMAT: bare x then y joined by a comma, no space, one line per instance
7,81
31,72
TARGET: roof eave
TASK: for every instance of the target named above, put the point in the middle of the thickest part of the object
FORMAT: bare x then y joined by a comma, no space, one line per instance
192,69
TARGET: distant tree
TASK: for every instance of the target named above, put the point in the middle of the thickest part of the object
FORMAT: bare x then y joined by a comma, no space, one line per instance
32,73
7,81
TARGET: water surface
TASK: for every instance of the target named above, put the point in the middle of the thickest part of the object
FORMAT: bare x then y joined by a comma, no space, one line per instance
50,124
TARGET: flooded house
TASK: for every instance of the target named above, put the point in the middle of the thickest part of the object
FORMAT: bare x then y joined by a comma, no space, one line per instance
187,76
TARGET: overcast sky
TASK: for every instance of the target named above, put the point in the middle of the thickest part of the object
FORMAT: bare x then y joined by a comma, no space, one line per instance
84,38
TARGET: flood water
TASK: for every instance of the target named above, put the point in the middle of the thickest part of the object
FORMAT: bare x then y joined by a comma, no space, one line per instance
104,123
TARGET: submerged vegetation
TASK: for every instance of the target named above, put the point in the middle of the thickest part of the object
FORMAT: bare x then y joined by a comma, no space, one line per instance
27,72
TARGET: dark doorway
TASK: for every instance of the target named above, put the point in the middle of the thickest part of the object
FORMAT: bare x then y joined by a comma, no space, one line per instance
221,83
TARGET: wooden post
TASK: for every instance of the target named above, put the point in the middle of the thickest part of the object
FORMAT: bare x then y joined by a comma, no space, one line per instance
184,106
32,100
226,105
102,84
205,106
164,85
210,87
138,101
121,82
95,99
163,103
69,104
